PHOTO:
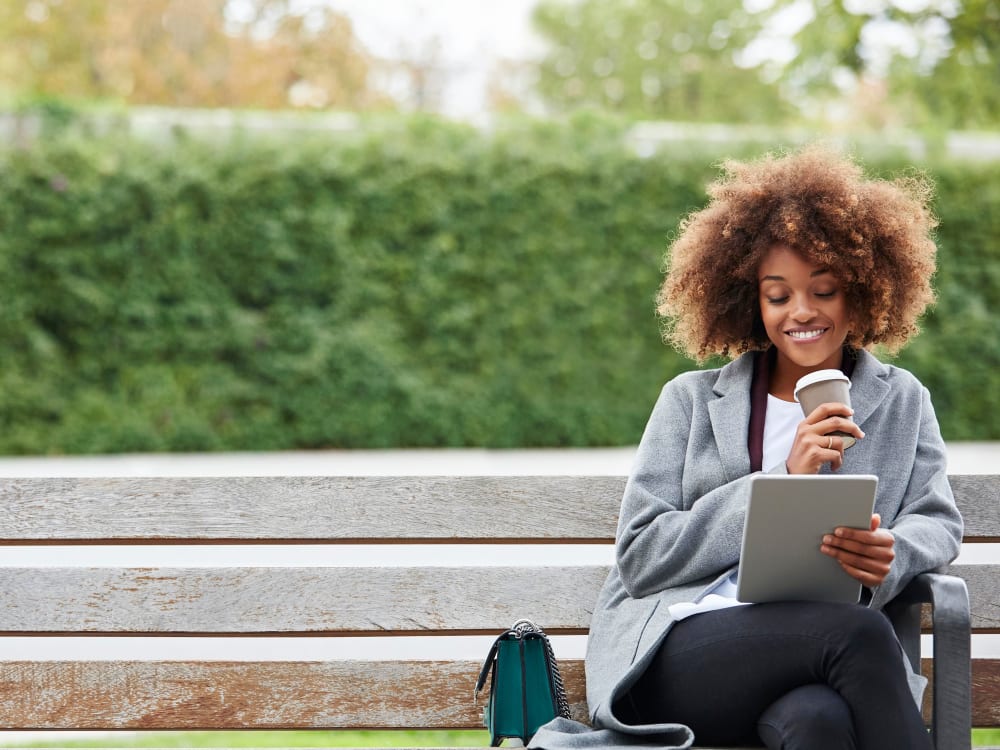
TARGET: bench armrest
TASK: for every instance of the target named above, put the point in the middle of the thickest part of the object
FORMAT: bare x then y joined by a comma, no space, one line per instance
951,718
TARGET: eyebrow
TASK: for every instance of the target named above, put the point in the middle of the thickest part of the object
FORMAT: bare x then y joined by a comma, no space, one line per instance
820,272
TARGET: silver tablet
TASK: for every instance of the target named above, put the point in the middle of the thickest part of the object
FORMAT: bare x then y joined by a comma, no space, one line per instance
786,519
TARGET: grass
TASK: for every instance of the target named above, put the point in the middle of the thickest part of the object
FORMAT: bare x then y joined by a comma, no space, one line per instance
263,739
984,737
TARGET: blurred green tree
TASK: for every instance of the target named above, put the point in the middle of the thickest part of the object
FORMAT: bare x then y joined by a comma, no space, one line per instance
925,63
655,59
248,53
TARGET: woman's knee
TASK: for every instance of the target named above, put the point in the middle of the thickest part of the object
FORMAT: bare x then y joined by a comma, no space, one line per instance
869,630
812,716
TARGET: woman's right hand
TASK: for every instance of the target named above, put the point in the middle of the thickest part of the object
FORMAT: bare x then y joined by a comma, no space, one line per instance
814,446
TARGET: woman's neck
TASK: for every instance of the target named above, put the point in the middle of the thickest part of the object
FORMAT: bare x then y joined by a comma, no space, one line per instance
785,374
783,384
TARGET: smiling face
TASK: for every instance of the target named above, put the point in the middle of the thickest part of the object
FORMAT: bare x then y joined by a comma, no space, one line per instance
805,315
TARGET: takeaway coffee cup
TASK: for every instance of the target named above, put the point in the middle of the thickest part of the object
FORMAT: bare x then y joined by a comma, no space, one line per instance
823,387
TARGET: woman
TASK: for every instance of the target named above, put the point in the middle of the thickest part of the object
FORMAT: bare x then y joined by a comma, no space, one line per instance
798,263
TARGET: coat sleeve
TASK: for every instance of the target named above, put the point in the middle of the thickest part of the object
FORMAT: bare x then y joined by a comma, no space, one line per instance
663,539
928,526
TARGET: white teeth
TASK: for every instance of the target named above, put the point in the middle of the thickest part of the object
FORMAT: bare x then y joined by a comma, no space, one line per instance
806,334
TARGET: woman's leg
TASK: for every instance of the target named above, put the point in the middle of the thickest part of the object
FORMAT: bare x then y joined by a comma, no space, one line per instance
813,717
718,672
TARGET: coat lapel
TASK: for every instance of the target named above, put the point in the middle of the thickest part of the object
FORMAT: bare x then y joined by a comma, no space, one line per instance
730,410
730,416
869,387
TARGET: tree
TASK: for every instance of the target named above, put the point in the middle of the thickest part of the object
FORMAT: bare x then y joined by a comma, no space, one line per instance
664,59
251,53
896,62
963,89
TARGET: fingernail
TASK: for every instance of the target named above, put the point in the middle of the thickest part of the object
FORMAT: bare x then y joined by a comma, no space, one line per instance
839,532
827,539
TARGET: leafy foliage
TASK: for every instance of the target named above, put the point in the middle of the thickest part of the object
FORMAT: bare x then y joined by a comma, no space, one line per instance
654,59
928,64
961,91
182,53
422,284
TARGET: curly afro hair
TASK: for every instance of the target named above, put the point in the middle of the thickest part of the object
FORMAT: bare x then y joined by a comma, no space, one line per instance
875,234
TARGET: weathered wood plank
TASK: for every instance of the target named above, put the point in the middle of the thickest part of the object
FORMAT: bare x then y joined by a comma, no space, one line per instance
417,600
305,600
983,582
351,509
310,508
978,497
985,691
233,695
345,695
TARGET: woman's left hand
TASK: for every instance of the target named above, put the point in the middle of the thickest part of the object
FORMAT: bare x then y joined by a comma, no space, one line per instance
866,555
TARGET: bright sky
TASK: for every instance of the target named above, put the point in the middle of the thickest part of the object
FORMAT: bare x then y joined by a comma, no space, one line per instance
471,37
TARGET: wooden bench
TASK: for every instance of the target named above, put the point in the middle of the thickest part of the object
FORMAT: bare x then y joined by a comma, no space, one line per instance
335,601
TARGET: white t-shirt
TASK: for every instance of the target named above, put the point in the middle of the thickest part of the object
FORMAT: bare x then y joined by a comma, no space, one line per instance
780,421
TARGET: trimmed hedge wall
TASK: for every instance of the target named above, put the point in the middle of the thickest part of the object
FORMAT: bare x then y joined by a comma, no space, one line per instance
418,285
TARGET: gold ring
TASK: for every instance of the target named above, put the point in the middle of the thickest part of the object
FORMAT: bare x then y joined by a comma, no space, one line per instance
829,443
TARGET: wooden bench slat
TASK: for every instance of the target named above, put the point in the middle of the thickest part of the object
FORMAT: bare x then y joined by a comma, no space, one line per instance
978,497
407,601
256,695
292,695
983,582
985,691
350,509
310,508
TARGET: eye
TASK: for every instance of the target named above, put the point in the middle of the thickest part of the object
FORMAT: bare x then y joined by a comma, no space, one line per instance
778,300
826,294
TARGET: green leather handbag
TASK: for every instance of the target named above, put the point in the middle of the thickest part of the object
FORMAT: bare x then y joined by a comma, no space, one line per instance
526,689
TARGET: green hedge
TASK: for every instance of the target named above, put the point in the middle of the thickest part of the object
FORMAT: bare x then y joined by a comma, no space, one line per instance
418,285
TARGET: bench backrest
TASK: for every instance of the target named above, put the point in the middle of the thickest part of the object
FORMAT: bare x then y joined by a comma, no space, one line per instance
332,601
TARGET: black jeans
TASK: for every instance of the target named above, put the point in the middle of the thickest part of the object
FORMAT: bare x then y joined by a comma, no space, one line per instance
790,675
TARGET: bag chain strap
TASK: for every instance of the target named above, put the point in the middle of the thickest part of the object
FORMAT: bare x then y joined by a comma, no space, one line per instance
527,626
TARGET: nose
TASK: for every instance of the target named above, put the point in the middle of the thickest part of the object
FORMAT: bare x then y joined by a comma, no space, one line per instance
802,308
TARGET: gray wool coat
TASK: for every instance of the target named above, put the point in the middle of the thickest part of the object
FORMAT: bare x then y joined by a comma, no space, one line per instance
681,522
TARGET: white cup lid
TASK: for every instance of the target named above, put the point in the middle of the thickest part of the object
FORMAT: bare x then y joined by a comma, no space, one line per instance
818,376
